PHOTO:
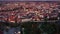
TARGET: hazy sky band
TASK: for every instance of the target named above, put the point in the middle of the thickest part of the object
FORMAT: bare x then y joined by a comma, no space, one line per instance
29,0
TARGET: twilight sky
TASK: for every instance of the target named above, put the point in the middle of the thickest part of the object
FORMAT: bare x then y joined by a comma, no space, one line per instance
29,0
